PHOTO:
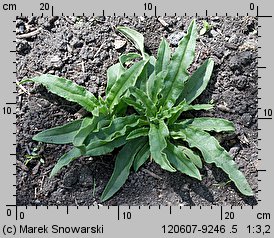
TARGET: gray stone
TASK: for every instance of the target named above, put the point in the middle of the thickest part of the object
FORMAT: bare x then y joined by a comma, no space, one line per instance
175,37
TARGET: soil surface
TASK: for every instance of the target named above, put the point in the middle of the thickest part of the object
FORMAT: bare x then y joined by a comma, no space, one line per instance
81,49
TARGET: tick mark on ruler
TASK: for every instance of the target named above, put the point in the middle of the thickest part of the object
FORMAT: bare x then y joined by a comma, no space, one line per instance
118,212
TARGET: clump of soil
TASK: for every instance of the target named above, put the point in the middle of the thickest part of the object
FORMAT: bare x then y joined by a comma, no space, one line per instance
81,49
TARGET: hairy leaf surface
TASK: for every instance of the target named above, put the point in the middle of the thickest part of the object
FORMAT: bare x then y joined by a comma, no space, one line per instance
214,153
65,160
128,57
143,131
141,157
134,36
67,89
207,124
60,134
192,156
89,125
140,96
118,126
177,69
178,159
163,57
173,113
155,85
157,143
136,105
113,73
197,82
126,80
108,138
102,147
146,73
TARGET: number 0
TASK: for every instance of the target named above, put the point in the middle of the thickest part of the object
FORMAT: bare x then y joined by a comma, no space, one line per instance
8,212
252,6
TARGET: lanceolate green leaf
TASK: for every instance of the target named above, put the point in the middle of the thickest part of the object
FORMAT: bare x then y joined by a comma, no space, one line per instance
126,80
113,73
213,153
207,124
163,57
117,127
65,160
136,105
143,131
60,134
177,69
111,137
128,57
157,143
192,156
67,89
140,96
173,113
134,36
197,82
123,163
141,157
198,107
178,159
88,126
147,71
102,147
155,85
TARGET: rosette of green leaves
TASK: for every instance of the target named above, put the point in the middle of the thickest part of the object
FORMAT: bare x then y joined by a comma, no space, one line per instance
160,90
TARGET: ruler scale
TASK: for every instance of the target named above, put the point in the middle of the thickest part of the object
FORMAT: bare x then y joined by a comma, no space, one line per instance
136,221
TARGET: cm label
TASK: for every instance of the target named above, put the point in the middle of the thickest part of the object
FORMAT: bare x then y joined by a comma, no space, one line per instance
9,7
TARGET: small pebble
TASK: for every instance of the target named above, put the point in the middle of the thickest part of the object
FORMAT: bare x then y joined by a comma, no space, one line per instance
175,37
118,44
